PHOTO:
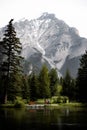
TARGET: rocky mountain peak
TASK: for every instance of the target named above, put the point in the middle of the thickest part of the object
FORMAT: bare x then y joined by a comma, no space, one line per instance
46,15
51,41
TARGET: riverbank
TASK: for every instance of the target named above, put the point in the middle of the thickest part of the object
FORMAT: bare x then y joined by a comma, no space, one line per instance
71,104
6,105
60,105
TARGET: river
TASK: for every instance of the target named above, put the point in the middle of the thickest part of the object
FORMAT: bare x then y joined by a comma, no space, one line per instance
41,119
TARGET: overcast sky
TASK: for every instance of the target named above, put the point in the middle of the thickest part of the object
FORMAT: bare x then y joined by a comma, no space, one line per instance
73,12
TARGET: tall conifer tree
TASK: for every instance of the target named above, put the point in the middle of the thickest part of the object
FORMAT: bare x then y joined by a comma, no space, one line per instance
34,87
11,65
67,84
82,79
44,82
54,81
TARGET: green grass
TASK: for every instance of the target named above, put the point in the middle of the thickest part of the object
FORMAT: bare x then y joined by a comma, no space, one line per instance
69,105
20,103
40,101
7,105
75,104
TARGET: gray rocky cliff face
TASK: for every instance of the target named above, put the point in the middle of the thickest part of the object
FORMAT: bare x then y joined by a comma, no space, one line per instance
48,40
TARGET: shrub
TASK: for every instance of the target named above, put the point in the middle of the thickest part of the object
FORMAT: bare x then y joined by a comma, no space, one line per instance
54,99
60,99
19,103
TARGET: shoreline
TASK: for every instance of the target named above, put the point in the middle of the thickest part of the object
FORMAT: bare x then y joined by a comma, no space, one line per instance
76,104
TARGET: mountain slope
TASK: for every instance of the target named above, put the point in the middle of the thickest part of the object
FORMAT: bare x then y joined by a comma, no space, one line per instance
51,41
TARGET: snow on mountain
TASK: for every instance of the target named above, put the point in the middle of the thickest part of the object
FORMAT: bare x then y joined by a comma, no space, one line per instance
51,41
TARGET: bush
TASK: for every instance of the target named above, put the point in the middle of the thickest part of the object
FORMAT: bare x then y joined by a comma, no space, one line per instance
19,103
54,99
60,99
65,99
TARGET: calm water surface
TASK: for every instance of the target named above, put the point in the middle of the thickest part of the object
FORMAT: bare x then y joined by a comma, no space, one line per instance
52,119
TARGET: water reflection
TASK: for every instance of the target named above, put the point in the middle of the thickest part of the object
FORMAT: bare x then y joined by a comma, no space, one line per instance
53,119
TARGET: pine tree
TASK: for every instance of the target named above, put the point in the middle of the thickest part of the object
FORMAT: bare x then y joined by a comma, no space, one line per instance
67,84
44,83
25,88
11,65
82,79
34,87
54,81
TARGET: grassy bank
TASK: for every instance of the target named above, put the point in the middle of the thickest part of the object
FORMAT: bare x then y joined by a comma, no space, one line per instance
20,104
67,105
6,105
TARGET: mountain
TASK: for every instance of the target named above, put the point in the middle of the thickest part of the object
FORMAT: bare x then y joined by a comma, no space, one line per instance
51,41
